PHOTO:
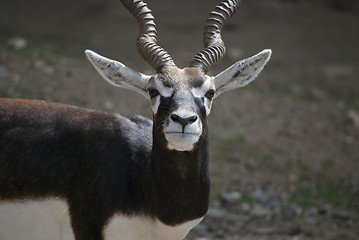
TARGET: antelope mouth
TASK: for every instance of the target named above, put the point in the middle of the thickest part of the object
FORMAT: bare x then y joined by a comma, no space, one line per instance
183,133
181,141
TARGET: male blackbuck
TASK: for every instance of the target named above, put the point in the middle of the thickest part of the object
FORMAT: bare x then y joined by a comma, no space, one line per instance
125,178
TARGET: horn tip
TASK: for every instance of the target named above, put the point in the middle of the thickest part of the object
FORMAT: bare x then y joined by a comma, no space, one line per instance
267,53
90,53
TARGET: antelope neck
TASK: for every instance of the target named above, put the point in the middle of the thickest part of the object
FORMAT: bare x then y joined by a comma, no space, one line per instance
180,181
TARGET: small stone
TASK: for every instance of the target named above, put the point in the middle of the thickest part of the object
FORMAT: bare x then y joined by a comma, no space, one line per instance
341,215
3,71
109,105
219,233
354,117
291,210
273,202
340,104
16,77
216,213
201,229
260,195
231,197
260,211
245,207
17,43
312,211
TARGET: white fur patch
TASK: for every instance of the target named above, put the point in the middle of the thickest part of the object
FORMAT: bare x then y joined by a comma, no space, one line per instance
163,90
155,103
182,141
35,220
49,219
201,91
207,85
138,228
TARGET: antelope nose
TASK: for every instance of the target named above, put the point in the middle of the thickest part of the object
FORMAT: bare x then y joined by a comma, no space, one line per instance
183,120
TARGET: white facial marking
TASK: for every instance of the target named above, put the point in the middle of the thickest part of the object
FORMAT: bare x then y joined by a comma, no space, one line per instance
120,227
35,220
201,91
155,103
179,137
162,89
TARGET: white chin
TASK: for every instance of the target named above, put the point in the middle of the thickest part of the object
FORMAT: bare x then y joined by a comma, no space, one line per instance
181,141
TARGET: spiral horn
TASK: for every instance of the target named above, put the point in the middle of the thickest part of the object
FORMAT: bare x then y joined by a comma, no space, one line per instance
214,48
147,45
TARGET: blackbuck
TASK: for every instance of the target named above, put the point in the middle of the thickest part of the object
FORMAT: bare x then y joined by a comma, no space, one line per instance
125,178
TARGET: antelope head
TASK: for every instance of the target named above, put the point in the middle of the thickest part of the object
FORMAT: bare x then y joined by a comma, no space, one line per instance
181,99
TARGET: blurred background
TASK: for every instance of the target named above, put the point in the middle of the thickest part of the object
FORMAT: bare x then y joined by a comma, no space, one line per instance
284,150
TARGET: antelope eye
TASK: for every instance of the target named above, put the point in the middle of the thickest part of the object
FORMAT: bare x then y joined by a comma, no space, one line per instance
210,94
153,92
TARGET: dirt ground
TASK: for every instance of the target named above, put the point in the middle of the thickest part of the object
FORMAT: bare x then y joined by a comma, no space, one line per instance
285,150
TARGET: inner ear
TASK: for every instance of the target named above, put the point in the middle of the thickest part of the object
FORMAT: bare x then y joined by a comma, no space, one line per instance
118,74
242,72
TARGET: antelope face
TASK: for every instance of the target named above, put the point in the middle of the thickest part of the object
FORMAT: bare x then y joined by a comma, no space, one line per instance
181,99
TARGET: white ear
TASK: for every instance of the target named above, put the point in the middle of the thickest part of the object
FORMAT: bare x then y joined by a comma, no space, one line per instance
242,72
118,74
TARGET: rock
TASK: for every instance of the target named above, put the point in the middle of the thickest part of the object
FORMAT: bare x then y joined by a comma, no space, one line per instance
216,213
260,195
260,211
354,117
3,71
17,43
273,201
230,197
109,106
201,229
312,211
295,208
291,210
219,233
341,215
245,207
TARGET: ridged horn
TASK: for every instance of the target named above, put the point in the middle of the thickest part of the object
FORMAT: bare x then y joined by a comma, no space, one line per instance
147,45
214,48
